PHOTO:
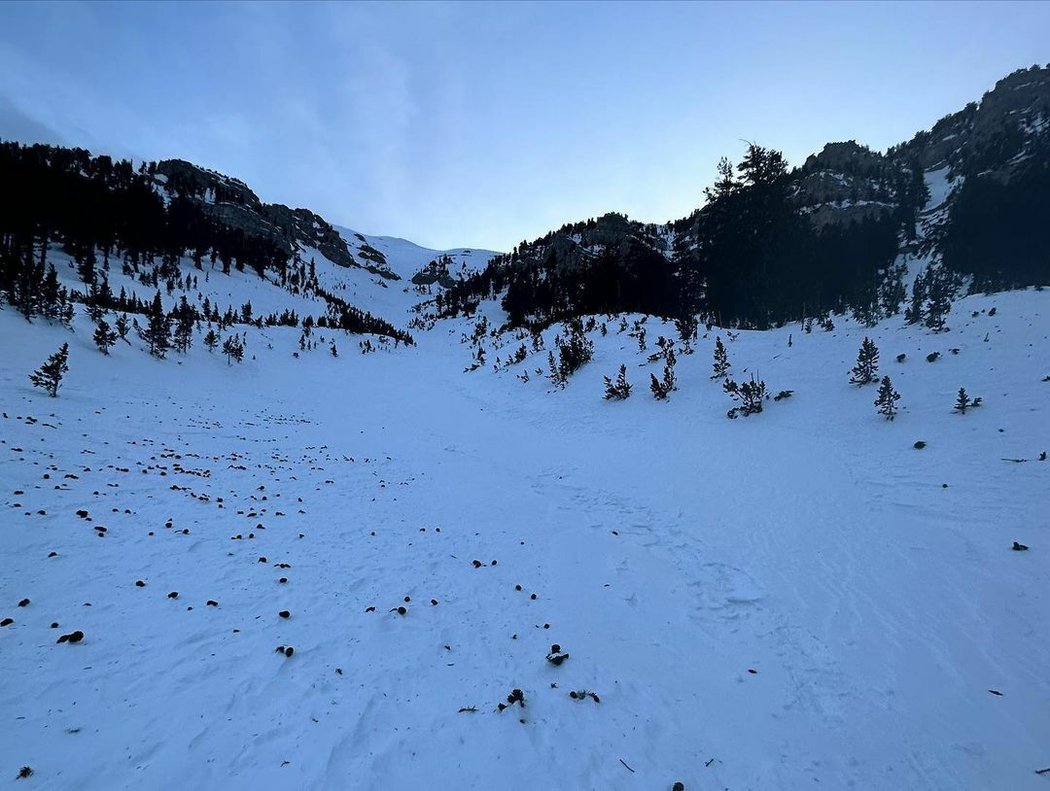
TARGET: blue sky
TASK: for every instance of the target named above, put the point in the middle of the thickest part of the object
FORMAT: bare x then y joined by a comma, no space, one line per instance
483,124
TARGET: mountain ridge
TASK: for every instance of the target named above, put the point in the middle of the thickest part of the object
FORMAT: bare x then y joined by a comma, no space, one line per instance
848,230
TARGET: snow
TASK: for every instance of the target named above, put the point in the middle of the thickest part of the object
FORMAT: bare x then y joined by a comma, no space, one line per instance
869,585
940,186
406,258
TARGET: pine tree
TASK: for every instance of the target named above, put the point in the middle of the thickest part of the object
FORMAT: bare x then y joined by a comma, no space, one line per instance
867,364
620,389
122,327
721,364
92,304
185,316
24,293
233,349
887,399
964,402
662,388
939,291
686,325
891,289
211,340
104,337
726,183
86,268
156,333
574,350
913,313
554,370
49,375
670,381
750,395
52,295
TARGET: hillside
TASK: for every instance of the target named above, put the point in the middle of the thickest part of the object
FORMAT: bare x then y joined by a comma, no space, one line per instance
791,598
321,509
845,232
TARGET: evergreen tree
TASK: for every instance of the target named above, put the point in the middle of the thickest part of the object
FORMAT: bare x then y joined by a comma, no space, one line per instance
620,389
24,291
233,349
182,338
891,289
750,395
99,299
964,402
104,336
93,305
86,268
886,401
49,375
686,324
721,364
54,298
211,340
122,327
913,313
662,388
657,388
554,370
867,363
726,183
762,166
156,333
940,287
574,350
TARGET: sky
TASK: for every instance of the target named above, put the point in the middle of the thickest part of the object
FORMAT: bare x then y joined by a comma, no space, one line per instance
480,125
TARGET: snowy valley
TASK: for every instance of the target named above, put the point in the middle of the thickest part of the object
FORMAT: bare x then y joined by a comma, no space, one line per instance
797,597
319,509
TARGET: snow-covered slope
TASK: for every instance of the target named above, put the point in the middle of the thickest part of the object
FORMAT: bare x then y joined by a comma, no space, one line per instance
796,598
406,258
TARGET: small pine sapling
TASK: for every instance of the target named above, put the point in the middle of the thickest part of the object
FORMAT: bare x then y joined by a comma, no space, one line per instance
867,364
750,395
620,389
49,375
554,371
122,326
886,401
233,349
721,363
964,402
662,388
104,337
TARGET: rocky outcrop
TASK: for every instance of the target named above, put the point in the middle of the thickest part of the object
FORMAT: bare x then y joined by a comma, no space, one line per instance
990,136
233,204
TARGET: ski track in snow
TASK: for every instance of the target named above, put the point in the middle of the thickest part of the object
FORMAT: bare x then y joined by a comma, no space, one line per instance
671,551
